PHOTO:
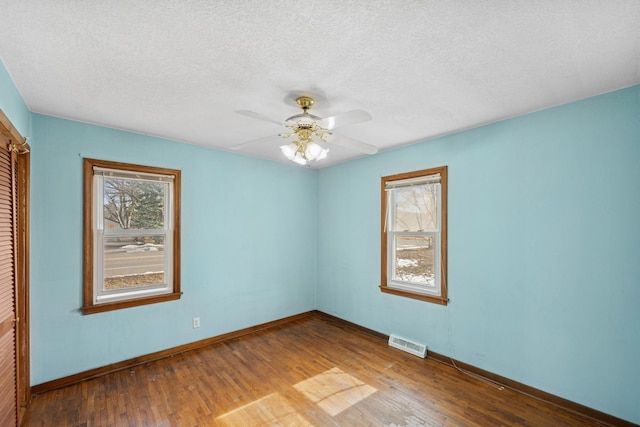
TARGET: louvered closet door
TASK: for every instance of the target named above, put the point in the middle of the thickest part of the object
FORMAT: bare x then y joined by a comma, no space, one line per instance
8,395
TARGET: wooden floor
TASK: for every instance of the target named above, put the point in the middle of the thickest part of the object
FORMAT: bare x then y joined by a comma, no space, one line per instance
313,371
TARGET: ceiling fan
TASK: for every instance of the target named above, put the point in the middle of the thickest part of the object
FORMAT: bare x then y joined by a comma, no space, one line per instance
310,131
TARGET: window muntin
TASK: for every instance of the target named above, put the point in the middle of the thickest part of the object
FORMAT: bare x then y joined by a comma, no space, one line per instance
414,234
133,237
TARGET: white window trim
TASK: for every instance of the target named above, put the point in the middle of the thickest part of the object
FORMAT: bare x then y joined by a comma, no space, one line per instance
100,295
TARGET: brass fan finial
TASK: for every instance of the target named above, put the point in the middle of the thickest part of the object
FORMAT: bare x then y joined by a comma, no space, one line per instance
305,102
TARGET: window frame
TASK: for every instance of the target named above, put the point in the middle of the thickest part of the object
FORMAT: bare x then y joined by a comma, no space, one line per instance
90,215
387,250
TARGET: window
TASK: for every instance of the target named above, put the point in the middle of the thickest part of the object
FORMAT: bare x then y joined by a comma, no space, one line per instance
131,235
414,234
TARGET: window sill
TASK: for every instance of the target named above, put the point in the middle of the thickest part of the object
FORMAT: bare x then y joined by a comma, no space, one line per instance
407,294
117,305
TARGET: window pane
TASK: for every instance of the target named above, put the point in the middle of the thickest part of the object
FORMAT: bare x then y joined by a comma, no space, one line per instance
131,262
414,260
133,204
415,208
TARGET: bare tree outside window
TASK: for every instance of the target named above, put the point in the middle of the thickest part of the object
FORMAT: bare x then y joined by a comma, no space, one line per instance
133,203
416,208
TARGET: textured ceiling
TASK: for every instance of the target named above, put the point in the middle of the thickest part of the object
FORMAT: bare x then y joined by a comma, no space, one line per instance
179,69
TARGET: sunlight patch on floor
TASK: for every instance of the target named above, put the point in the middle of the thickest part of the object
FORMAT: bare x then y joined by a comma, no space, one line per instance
272,409
334,390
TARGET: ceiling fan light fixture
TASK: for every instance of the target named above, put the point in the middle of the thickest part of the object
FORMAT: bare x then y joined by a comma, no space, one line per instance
310,131
299,159
289,150
315,152
304,151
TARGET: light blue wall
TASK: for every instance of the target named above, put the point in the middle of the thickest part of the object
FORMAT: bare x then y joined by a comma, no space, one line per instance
248,247
12,104
544,250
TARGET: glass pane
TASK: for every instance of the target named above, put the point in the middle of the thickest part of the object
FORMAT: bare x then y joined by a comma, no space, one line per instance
133,204
131,262
416,208
415,261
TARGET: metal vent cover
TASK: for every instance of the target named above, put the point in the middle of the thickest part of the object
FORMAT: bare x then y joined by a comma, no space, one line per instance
414,348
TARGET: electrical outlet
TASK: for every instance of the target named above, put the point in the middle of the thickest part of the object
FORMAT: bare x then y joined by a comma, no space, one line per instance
196,322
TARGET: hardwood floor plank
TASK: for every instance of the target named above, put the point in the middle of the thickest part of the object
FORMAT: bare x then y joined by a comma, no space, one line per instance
310,371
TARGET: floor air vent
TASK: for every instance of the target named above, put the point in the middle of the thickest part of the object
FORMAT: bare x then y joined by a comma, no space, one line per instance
408,346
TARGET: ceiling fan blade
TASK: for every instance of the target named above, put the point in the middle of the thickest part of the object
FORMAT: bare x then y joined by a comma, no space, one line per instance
266,139
354,144
259,116
344,119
